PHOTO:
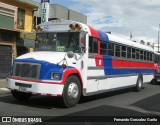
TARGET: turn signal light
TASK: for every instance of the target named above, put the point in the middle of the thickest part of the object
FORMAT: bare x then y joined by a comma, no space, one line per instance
72,27
38,28
78,27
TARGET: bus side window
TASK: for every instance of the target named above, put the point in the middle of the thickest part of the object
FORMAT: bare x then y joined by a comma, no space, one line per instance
145,56
128,52
133,53
117,50
155,58
137,54
103,47
148,55
141,55
123,51
111,49
93,45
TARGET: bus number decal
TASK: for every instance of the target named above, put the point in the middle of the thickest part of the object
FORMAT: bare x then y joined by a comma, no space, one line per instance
99,62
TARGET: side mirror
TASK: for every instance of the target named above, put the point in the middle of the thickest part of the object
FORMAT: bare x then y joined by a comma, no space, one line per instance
83,49
70,54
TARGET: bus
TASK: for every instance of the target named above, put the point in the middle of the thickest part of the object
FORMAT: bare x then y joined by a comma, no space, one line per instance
156,78
72,59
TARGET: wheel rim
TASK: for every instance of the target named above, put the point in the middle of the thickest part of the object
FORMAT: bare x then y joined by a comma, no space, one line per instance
73,91
139,83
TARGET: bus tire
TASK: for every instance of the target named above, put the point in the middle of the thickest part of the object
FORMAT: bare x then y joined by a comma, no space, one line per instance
153,81
21,95
71,92
139,84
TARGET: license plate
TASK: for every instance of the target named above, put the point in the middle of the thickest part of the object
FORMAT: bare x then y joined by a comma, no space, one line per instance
22,89
158,80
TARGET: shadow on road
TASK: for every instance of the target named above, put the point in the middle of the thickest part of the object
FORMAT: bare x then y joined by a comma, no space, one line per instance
44,102
101,115
152,103
55,102
105,95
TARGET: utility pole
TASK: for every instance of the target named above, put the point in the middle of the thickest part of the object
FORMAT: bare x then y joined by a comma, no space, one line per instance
130,35
158,37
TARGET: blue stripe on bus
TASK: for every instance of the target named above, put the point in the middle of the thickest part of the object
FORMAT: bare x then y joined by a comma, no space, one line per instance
109,70
103,36
127,71
107,62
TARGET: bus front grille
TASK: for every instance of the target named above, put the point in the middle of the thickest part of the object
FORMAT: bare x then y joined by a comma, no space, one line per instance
26,70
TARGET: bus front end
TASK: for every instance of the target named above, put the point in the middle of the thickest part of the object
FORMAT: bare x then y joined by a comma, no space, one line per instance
38,73
53,69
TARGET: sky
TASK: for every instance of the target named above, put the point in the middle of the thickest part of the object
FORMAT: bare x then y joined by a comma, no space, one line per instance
141,18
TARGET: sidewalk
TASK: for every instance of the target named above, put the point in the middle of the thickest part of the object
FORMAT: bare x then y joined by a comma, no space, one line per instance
3,89
2,83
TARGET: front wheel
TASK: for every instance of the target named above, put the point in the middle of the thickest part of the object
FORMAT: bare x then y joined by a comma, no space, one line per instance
71,91
21,95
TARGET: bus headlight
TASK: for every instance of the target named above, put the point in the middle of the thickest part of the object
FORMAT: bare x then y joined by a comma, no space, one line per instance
55,76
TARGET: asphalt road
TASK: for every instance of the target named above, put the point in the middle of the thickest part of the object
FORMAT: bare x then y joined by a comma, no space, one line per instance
125,103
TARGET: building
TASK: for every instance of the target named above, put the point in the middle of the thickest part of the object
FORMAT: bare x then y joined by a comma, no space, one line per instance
16,16
57,11
20,16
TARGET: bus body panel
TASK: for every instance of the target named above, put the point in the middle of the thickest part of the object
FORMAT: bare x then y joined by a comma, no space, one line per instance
96,72
39,88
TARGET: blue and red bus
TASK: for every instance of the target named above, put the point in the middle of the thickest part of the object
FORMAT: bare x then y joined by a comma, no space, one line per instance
72,59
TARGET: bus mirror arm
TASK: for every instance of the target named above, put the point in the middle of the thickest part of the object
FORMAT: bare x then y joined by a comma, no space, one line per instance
64,59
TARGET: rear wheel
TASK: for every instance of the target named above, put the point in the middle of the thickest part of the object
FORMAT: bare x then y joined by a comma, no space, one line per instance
71,91
139,84
153,81
21,95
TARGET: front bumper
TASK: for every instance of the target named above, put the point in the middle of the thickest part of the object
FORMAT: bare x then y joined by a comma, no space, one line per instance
48,88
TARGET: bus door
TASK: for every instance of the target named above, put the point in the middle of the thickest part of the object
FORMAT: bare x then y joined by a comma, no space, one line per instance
92,81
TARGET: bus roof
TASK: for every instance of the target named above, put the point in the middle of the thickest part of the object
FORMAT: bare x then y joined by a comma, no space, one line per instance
156,53
61,25
120,40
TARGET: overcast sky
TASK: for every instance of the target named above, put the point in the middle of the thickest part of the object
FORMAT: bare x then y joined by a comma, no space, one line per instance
121,17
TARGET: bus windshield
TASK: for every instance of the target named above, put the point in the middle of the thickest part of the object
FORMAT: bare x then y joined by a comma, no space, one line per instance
58,42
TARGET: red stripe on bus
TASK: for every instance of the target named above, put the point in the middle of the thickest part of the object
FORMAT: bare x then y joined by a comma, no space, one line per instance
99,61
94,33
131,64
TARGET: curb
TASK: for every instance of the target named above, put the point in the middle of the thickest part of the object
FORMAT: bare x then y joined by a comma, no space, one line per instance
4,90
